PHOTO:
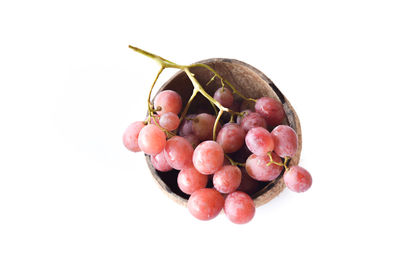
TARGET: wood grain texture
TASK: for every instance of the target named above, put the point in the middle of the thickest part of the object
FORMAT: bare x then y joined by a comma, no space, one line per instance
251,83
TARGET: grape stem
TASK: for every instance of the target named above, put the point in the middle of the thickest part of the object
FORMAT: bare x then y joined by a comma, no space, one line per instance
234,163
284,164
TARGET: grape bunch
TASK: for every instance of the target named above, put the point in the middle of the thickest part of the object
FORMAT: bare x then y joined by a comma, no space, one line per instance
186,144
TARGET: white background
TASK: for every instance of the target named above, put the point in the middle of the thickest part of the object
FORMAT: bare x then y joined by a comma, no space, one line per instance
72,195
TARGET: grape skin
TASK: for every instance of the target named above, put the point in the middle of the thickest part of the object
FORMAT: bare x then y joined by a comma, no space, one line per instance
186,125
193,139
252,120
169,121
244,114
205,204
239,207
231,137
285,141
297,179
131,135
208,157
249,185
160,163
259,141
256,167
227,179
190,180
271,109
169,101
151,139
224,96
203,126
178,153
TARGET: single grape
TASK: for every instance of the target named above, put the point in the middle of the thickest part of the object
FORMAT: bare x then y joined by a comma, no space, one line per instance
169,121
259,141
178,153
168,101
208,157
186,125
285,141
249,185
227,179
252,120
224,96
256,167
231,137
205,204
203,126
297,179
193,139
151,139
271,109
190,180
244,113
131,135
239,207
160,162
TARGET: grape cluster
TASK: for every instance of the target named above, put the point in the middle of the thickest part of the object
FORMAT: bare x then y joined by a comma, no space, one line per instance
237,156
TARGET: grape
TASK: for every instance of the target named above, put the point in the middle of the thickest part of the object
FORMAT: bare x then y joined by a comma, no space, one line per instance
205,204
248,184
297,179
208,157
242,154
131,134
160,162
256,167
271,109
186,125
169,101
231,137
252,120
227,179
151,139
169,121
193,139
247,105
285,140
239,207
240,117
203,126
259,141
224,96
178,153
190,180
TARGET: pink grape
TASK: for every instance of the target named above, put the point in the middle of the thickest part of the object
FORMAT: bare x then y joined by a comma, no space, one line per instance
169,121
227,179
252,120
259,141
224,96
203,126
169,101
205,204
231,137
248,184
186,125
271,109
131,135
193,139
285,140
208,157
178,153
190,180
160,162
151,139
256,167
297,179
240,117
239,207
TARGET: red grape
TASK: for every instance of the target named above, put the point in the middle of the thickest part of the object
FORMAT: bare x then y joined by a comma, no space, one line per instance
256,167
193,139
205,204
239,207
169,121
259,141
178,152
203,126
151,139
285,140
252,120
231,137
227,179
224,96
297,179
160,162
248,184
186,125
271,109
208,157
168,101
190,180
131,135
240,117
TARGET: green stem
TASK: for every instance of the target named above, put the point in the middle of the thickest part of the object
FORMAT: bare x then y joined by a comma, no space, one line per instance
216,124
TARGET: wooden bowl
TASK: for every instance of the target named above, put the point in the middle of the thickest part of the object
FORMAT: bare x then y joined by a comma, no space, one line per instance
251,83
